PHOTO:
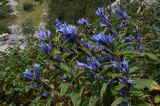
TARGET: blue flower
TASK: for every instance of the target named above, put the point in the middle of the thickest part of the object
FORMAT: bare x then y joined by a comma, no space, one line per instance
45,94
58,24
69,31
101,38
117,66
100,12
28,74
88,45
91,64
107,22
36,71
102,78
121,14
129,38
121,25
125,66
123,92
46,48
35,85
108,56
130,83
83,21
140,48
43,35
139,38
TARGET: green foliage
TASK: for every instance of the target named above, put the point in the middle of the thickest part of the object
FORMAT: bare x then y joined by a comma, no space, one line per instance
13,64
5,17
72,10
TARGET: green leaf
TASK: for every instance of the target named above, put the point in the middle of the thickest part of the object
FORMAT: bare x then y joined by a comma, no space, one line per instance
117,101
142,83
151,56
93,100
64,88
76,97
157,99
154,86
103,90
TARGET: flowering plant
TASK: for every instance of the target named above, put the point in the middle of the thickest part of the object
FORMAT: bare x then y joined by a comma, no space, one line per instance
89,63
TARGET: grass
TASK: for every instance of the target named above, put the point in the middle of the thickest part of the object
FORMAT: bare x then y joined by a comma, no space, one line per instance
35,16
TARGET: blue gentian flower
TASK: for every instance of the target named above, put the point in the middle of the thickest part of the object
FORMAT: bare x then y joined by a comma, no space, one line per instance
108,56
36,71
35,85
46,48
28,74
107,22
58,24
117,66
125,66
121,14
91,64
83,21
43,35
139,38
129,38
140,48
107,50
45,94
121,25
102,78
69,31
130,83
100,12
101,38
88,45
123,92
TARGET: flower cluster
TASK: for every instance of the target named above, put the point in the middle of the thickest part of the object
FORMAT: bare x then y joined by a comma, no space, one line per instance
35,77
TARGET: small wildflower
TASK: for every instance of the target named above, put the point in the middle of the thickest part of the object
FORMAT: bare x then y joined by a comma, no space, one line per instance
36,71
28,74
121,14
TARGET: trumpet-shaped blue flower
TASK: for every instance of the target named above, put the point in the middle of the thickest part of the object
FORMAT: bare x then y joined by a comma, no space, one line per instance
36,71
45,94
83,21
46,48
28,74
91,64
129,38
88,45
140,48
101,38
121,14
100,12
117,66
139,36
43,35
125,66
123,92
69,31
58,24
